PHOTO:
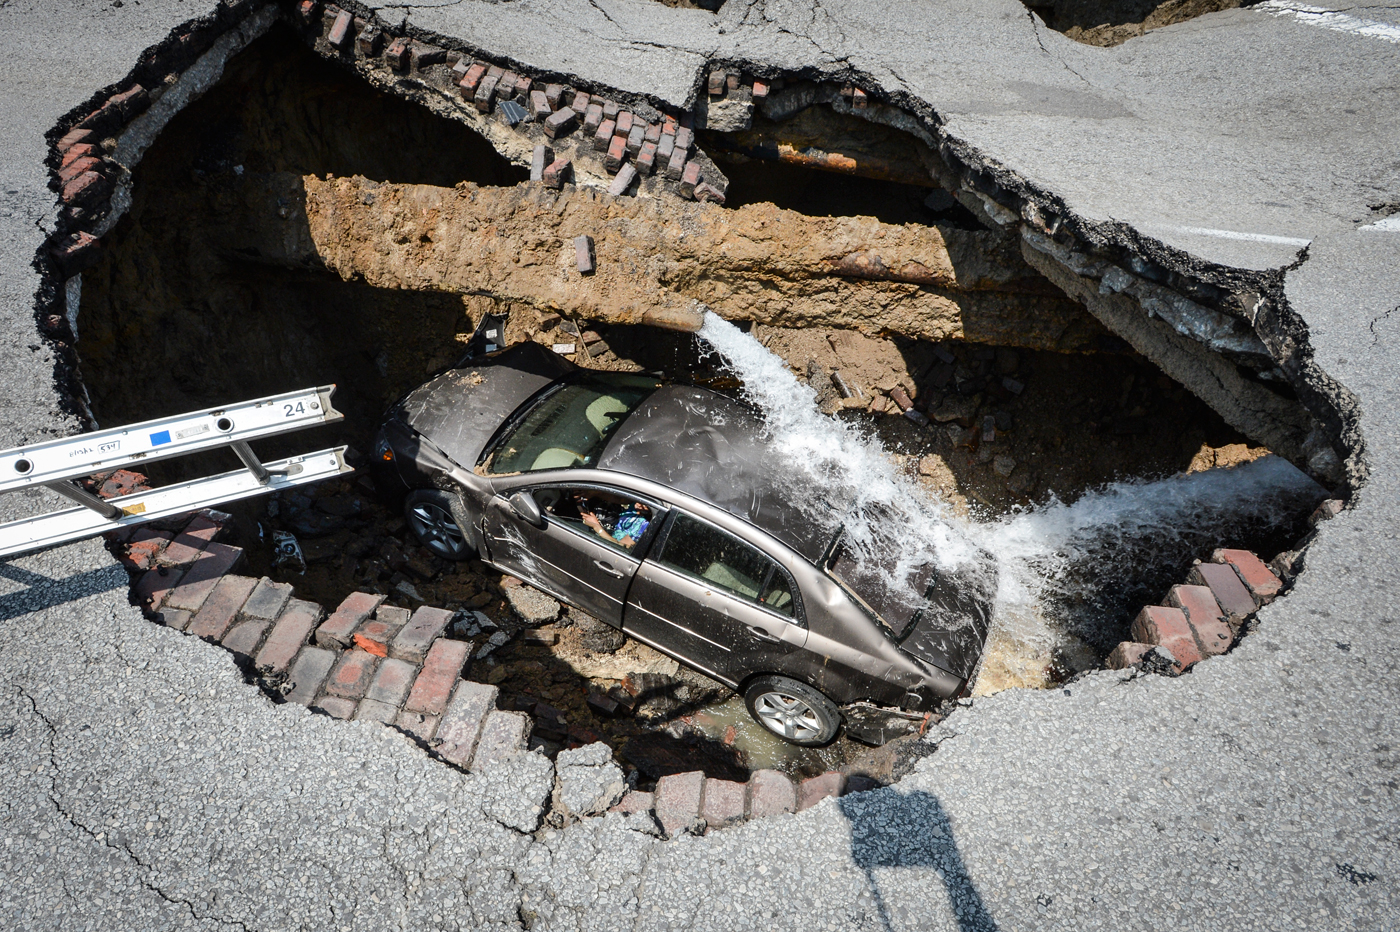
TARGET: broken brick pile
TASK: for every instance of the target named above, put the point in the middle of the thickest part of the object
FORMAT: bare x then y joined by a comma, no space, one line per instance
365,661
694,803
1205,616
566,125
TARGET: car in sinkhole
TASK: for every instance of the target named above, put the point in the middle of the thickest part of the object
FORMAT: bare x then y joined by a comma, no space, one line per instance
657,507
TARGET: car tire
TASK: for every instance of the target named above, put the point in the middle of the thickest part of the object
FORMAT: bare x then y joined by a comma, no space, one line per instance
793,711
438,522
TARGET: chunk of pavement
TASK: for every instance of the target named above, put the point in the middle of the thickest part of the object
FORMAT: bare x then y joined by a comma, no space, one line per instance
678,801
598,636
533,606
589,782
516,789
503,735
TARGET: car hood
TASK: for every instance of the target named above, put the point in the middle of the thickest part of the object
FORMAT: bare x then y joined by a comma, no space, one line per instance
938,614
460,410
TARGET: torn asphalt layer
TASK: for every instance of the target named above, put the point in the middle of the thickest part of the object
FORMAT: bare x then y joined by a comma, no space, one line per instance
151,787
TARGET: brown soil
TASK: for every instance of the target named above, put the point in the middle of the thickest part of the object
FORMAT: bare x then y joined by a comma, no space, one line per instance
1113,22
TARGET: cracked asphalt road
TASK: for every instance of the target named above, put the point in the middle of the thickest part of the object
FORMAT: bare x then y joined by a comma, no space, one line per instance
147,786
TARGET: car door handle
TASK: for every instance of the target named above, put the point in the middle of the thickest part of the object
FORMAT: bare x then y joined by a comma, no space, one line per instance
607,568
758,634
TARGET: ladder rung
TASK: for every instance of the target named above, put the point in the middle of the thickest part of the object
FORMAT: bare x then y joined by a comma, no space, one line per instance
62,527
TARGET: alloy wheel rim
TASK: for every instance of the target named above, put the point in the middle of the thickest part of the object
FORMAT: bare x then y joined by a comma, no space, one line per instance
788,716
436,528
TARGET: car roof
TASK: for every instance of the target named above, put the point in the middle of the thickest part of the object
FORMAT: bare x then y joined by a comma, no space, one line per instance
714,448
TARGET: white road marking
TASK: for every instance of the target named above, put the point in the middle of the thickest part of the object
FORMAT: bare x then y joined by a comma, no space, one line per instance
1249,237
1331,19
1390,224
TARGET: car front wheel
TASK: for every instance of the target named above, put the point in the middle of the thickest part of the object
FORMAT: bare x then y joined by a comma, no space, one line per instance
793,711
433,517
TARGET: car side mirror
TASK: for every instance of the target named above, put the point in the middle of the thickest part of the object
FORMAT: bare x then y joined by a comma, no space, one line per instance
524,506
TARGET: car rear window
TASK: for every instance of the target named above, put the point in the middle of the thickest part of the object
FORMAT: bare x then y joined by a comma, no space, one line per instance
569,428
699,549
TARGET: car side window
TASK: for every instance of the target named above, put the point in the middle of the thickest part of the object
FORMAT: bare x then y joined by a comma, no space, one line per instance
702,550
616,518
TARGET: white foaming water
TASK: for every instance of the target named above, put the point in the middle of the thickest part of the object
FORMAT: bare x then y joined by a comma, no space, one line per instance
1065,571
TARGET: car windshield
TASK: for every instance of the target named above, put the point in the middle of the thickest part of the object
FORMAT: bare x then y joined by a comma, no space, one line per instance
569,427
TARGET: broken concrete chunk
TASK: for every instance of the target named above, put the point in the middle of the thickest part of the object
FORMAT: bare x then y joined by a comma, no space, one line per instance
588,781
533,606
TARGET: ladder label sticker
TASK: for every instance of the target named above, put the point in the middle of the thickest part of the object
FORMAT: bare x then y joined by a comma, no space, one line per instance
136,509
159,437
191,431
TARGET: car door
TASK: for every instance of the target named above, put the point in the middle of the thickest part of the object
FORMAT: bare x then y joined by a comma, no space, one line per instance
562,554
715,601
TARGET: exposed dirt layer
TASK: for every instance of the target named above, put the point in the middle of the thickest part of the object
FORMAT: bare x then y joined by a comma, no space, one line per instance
1113,22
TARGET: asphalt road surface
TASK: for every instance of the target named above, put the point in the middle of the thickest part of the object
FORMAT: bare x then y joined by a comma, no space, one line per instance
146,786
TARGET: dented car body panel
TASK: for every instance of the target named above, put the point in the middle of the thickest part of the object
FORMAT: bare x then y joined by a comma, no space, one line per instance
765,604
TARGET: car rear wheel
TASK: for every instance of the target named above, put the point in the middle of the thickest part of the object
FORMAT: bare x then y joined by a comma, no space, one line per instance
793,711
433,517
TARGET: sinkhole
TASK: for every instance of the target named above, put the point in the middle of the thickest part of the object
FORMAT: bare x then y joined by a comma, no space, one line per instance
296,226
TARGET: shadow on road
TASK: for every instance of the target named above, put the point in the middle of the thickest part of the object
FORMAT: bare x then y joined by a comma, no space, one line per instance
45,592
894,830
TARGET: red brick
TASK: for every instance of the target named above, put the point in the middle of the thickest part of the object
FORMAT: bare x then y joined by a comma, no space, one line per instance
1208,624
268,600
731,81
184,549
75,137
505,90
603,137
308,673
421,726
460,726
685,136
582,101
78,166
397,55
636,138
503,736
205,529
413,641
471,79
1126,654
222,607
340,626
369,41
424,56
85,189
560,123
340,29
288,635
244,637
556,173
176,618
374,636
675,165
539,161
858,99
1225,585
624,122
539,106
553,93
646,158
307,10
485,91
813,790
217,561
723,804
678,798
1260,580
610,110
652,133
592,118
392,681
439,675
635,801
689,179
84,151
770,792
336,707
625,176
707,193
617,153
372,710
716,84
1157,624
760,89
76,252
352,675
